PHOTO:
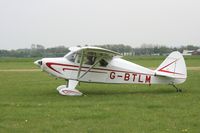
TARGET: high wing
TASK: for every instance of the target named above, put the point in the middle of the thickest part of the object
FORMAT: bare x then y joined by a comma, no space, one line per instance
95,50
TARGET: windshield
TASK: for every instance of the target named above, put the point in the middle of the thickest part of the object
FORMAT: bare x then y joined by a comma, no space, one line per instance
71,56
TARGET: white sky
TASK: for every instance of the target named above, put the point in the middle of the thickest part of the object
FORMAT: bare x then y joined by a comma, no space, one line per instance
79,22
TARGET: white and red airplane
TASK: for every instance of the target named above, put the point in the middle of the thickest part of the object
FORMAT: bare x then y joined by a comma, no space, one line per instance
94,64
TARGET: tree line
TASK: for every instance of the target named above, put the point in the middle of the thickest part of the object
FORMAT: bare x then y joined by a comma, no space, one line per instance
145,49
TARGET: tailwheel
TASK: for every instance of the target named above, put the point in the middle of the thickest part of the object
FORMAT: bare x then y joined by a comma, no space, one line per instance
177,89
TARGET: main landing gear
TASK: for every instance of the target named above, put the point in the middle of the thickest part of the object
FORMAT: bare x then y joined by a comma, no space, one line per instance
69,90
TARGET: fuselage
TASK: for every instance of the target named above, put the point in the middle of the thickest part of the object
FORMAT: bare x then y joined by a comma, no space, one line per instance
116,71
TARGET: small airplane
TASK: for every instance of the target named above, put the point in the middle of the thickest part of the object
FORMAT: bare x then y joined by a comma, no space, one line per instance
99,65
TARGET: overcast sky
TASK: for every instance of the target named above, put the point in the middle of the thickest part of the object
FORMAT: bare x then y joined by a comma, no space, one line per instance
79,22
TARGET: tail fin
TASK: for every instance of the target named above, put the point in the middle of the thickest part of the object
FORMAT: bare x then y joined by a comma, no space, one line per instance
173,67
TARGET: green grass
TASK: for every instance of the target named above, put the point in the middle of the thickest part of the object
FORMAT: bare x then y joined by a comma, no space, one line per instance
29,102
17,63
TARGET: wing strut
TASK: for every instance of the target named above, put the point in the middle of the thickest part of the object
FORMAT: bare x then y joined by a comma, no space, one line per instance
81,63
97,61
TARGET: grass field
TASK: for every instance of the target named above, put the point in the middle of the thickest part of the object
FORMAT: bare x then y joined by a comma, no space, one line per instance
29,102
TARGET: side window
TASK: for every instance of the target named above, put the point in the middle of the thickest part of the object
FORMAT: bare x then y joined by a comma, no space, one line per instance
103,63
90,58
77,58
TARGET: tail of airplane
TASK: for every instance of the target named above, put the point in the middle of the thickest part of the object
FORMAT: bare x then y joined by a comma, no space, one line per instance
173,67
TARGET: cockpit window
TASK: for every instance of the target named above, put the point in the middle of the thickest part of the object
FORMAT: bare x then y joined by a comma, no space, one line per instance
103,63
89,58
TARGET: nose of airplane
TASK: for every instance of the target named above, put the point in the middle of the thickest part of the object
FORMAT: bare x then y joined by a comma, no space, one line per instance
38,62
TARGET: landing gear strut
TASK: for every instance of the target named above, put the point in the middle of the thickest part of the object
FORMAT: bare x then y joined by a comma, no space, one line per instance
69,90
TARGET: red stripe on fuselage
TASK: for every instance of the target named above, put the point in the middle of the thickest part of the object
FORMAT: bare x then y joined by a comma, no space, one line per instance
49,64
